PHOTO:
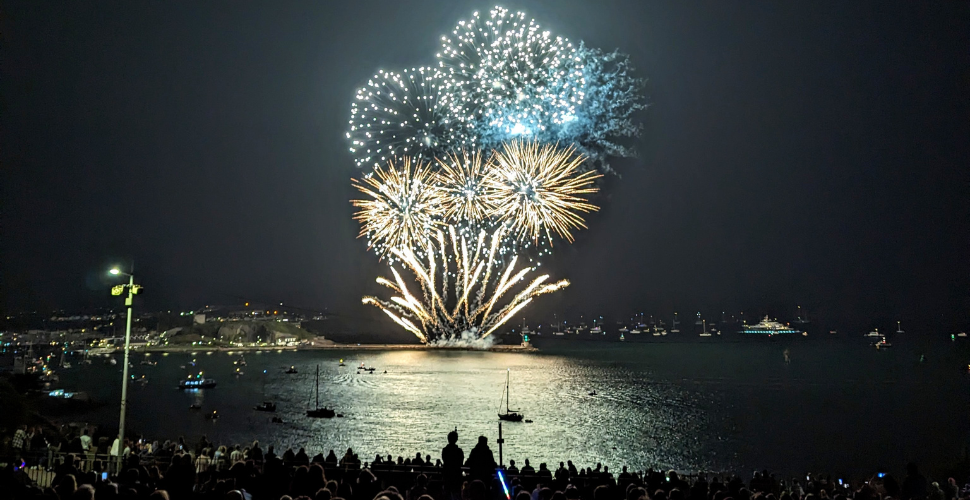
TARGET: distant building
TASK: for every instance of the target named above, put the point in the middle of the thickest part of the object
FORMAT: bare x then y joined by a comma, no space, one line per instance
281,338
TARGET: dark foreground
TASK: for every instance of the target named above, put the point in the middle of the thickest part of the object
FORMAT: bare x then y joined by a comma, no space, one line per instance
177,471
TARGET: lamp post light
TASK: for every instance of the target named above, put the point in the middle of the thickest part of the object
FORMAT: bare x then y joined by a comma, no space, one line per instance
132,291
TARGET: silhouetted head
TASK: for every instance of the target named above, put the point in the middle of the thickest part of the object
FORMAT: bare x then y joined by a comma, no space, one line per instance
482,440
452,437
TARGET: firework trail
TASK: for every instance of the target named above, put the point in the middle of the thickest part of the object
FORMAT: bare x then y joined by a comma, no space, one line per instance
464,288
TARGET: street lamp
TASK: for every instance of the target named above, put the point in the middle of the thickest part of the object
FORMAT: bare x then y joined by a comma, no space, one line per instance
132,291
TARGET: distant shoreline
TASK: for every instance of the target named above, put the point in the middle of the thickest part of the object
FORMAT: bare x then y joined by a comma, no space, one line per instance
332,347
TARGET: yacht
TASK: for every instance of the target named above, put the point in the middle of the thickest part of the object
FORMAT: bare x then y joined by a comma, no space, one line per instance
769,327
875,333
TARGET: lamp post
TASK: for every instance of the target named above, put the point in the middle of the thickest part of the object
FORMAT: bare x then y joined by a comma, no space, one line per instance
132,291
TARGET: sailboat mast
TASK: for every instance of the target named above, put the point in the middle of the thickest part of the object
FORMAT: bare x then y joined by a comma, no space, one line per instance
507,375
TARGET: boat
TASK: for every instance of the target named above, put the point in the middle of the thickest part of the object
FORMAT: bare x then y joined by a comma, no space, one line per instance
704,332
240,362
320,411
509,415
769,328
365,368
801,319
149,363
624,330
675,326
341,363
291,370
197,383
875,333
596,330
212,416
592,393
277,420
882,344
899,327
266,406
195,406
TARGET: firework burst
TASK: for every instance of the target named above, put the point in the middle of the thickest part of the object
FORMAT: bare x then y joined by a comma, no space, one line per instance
506,77
539,190
400,115
463,285
402,209
461,179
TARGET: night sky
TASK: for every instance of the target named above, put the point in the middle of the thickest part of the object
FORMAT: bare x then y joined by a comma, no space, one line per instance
809,153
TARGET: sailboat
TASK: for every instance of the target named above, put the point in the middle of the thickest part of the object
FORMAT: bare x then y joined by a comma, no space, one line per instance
320,412
704,332
509,415
899,327
675,326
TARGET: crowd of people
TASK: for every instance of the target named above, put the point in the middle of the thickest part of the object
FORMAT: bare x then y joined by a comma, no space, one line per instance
82,467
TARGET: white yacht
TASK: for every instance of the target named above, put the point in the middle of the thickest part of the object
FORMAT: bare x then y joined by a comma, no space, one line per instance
769,327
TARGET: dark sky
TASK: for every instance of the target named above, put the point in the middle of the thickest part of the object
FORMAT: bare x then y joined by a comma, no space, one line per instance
808,153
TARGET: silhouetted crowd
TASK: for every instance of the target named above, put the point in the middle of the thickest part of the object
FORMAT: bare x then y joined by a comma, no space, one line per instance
173,470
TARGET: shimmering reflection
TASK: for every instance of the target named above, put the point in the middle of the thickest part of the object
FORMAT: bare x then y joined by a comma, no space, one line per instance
686,406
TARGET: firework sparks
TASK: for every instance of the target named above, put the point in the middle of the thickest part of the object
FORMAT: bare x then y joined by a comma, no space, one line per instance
538,190
506,77
462,182
402,209
401,115
467,298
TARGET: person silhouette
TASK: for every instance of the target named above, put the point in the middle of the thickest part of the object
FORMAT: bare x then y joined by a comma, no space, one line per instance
481,462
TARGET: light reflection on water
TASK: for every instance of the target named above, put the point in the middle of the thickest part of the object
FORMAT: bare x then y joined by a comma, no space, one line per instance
685,406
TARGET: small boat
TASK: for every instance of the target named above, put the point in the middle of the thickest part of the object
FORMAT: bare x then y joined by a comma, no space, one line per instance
212,416
592,393
266,406
197,383
277,420
291,370
874,333
320,411
528,421
149,363
882,344
195,407
240,362
341,363
704,332
509,415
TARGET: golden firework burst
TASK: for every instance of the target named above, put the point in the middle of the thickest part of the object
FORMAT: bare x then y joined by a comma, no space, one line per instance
403,207
539,190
